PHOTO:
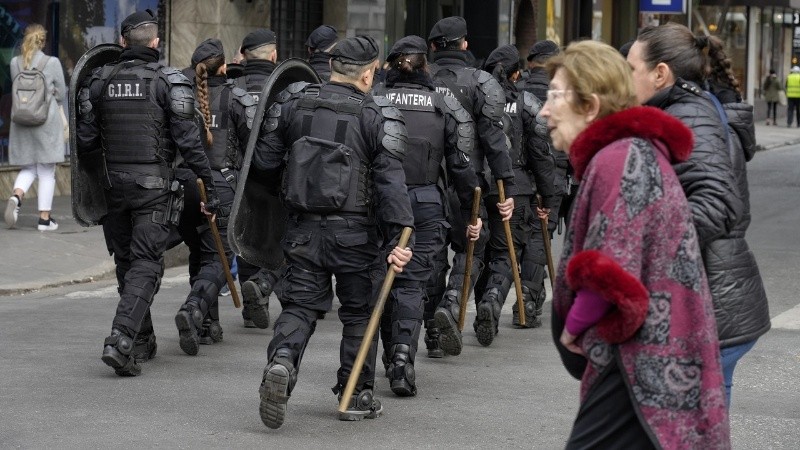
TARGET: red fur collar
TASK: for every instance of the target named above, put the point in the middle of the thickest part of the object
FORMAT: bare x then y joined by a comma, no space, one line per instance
644,122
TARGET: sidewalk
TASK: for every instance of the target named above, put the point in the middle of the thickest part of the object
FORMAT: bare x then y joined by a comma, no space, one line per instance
33,260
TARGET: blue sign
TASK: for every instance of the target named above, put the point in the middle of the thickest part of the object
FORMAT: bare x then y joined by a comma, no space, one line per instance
663,6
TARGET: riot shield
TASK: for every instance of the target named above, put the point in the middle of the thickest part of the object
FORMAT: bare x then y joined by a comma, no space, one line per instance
258,219
88,171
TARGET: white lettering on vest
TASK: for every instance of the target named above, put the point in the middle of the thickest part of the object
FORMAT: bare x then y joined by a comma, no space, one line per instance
511,108
125,90
409,99
214,121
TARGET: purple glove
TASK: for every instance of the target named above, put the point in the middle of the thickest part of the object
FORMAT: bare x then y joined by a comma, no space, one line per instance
588,309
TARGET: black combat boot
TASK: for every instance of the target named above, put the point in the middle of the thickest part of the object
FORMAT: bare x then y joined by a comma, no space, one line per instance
487,316
144,347
362,406
446,317
531,318
211,332
189,321
118,353
432,342
255,302
279,379
401,371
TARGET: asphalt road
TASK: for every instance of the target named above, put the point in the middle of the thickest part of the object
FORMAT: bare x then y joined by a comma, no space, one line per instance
56,393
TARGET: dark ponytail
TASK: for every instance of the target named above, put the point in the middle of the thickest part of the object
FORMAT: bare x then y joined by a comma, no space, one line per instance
411,63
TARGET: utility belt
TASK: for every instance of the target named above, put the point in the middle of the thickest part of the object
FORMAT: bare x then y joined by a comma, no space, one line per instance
304,216
157,176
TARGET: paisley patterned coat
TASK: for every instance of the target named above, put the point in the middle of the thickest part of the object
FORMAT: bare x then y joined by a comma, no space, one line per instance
631,239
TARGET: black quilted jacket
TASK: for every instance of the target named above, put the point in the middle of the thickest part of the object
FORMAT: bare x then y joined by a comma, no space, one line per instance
715,181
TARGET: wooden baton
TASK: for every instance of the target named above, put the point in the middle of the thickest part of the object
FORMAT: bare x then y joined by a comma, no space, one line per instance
512,256
462,312
220,249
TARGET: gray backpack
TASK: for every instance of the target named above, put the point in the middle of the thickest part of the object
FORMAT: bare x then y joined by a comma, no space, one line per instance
30,96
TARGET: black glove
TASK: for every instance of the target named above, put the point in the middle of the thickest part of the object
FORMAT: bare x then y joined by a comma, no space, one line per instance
212,199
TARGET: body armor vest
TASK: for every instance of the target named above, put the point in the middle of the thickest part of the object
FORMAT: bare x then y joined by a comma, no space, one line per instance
328,168
253,84
224,151
455,83
425,125
134,128
515,131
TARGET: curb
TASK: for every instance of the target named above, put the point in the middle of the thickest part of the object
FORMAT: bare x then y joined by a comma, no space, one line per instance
778,144
178,256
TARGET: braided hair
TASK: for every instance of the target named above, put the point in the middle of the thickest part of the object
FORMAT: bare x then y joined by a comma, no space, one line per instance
720,71
212,65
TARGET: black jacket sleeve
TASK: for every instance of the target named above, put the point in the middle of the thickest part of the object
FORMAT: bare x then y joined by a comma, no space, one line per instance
490,100
537,150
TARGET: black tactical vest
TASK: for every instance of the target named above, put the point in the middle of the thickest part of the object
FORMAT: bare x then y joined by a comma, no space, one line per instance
455,83
252,83
134,128
328,168
425,125
224,151
513,127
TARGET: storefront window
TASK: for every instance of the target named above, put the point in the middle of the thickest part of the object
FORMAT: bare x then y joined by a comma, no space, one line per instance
72,28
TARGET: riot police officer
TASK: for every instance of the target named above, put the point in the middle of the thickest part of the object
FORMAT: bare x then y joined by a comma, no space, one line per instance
533,173
138,112
319,45
440,132
260,52
354,145
227,114
483,98
534,258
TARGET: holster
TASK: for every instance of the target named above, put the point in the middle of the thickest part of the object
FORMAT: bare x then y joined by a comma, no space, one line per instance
176,202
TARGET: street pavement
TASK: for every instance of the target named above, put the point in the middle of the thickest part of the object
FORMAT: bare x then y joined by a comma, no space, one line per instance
57,299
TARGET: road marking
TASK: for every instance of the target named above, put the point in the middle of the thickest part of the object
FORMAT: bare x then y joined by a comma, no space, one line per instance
788,320
111,291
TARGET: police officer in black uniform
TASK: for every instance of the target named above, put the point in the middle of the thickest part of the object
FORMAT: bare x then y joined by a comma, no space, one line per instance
260,52
354,145
534,259
319,44
533,174
227,114
483,98
440,134
138,113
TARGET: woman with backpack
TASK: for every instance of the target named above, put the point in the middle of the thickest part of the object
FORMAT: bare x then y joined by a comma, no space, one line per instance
37,148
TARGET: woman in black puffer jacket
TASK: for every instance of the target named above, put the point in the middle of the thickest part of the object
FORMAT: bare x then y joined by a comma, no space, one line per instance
669,67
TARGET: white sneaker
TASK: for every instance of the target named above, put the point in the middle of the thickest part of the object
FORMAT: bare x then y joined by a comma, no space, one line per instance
12,211
48,225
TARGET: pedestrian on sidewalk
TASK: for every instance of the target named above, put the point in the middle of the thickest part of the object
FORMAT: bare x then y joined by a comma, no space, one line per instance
631,294
715,178
772,88
793,96
38,148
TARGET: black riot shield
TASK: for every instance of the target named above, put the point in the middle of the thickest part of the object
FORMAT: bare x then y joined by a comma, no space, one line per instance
258,219
88,170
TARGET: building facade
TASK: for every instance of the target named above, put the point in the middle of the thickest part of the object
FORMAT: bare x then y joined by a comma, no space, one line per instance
758,37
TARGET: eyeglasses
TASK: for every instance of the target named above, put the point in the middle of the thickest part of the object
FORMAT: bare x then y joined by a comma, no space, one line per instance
555,94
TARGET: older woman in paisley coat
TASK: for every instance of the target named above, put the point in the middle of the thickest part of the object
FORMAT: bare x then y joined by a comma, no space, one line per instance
632,309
